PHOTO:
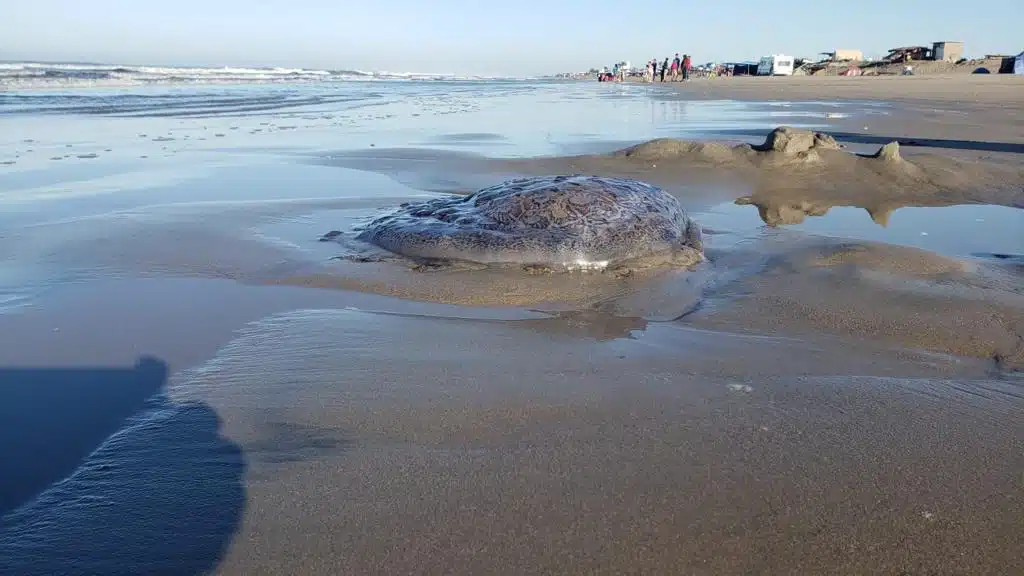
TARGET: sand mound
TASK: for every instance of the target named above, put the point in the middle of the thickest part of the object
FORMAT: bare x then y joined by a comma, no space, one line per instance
896,260
784,145
795,155
902,296
670,148
793,141
797,173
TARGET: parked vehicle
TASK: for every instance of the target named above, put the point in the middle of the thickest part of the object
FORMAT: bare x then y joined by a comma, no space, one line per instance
775,65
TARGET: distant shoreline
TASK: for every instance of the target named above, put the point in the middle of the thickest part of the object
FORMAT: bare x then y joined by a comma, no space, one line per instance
29,76
965,89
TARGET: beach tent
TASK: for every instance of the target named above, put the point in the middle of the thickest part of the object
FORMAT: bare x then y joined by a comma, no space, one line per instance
1018,64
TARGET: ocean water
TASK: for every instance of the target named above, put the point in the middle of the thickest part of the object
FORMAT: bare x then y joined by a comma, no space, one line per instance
36,75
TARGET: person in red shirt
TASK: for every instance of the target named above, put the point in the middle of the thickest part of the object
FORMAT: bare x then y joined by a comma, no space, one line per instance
686,66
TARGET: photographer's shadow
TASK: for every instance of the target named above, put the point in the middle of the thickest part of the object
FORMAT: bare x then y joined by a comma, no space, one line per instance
103,475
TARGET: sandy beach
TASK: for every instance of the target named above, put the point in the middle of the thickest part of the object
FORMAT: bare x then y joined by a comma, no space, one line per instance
836,389
961,109
949,90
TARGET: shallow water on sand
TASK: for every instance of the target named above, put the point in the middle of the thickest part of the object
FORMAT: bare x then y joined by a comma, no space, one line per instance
168,125
960,231
279,429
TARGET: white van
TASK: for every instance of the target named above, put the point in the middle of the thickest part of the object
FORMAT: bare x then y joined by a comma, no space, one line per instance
775,65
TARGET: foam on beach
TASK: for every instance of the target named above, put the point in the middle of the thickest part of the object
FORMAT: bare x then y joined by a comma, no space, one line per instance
37,75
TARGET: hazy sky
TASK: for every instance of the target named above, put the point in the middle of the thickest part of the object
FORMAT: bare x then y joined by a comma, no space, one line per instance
517,37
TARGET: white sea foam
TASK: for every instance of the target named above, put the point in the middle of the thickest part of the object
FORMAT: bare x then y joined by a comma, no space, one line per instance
38,75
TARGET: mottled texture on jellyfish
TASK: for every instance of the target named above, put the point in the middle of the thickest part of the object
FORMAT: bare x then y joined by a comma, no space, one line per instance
574,221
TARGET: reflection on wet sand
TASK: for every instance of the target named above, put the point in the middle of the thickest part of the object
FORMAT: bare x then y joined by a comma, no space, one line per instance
776,212
960,230
592,324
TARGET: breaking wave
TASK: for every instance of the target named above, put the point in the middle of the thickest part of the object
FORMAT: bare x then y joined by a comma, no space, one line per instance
36,75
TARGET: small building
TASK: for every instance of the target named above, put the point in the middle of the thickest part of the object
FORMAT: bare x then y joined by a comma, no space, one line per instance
948,51
845,55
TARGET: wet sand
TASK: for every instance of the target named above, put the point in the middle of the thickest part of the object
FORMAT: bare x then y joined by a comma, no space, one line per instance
949,305
420,442
799,403
982,97
670,453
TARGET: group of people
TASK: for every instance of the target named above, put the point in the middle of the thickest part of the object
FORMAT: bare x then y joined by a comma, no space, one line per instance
617,74
678,68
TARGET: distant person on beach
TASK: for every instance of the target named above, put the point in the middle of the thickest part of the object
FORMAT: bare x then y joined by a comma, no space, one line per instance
675,68
686,66
664,66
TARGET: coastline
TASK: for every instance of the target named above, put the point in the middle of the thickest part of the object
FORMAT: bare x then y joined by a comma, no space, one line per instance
948,89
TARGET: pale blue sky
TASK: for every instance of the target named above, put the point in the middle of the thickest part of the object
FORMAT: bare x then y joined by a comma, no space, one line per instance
518,37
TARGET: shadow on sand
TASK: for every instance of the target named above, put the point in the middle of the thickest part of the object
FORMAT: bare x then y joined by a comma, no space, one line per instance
103,475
